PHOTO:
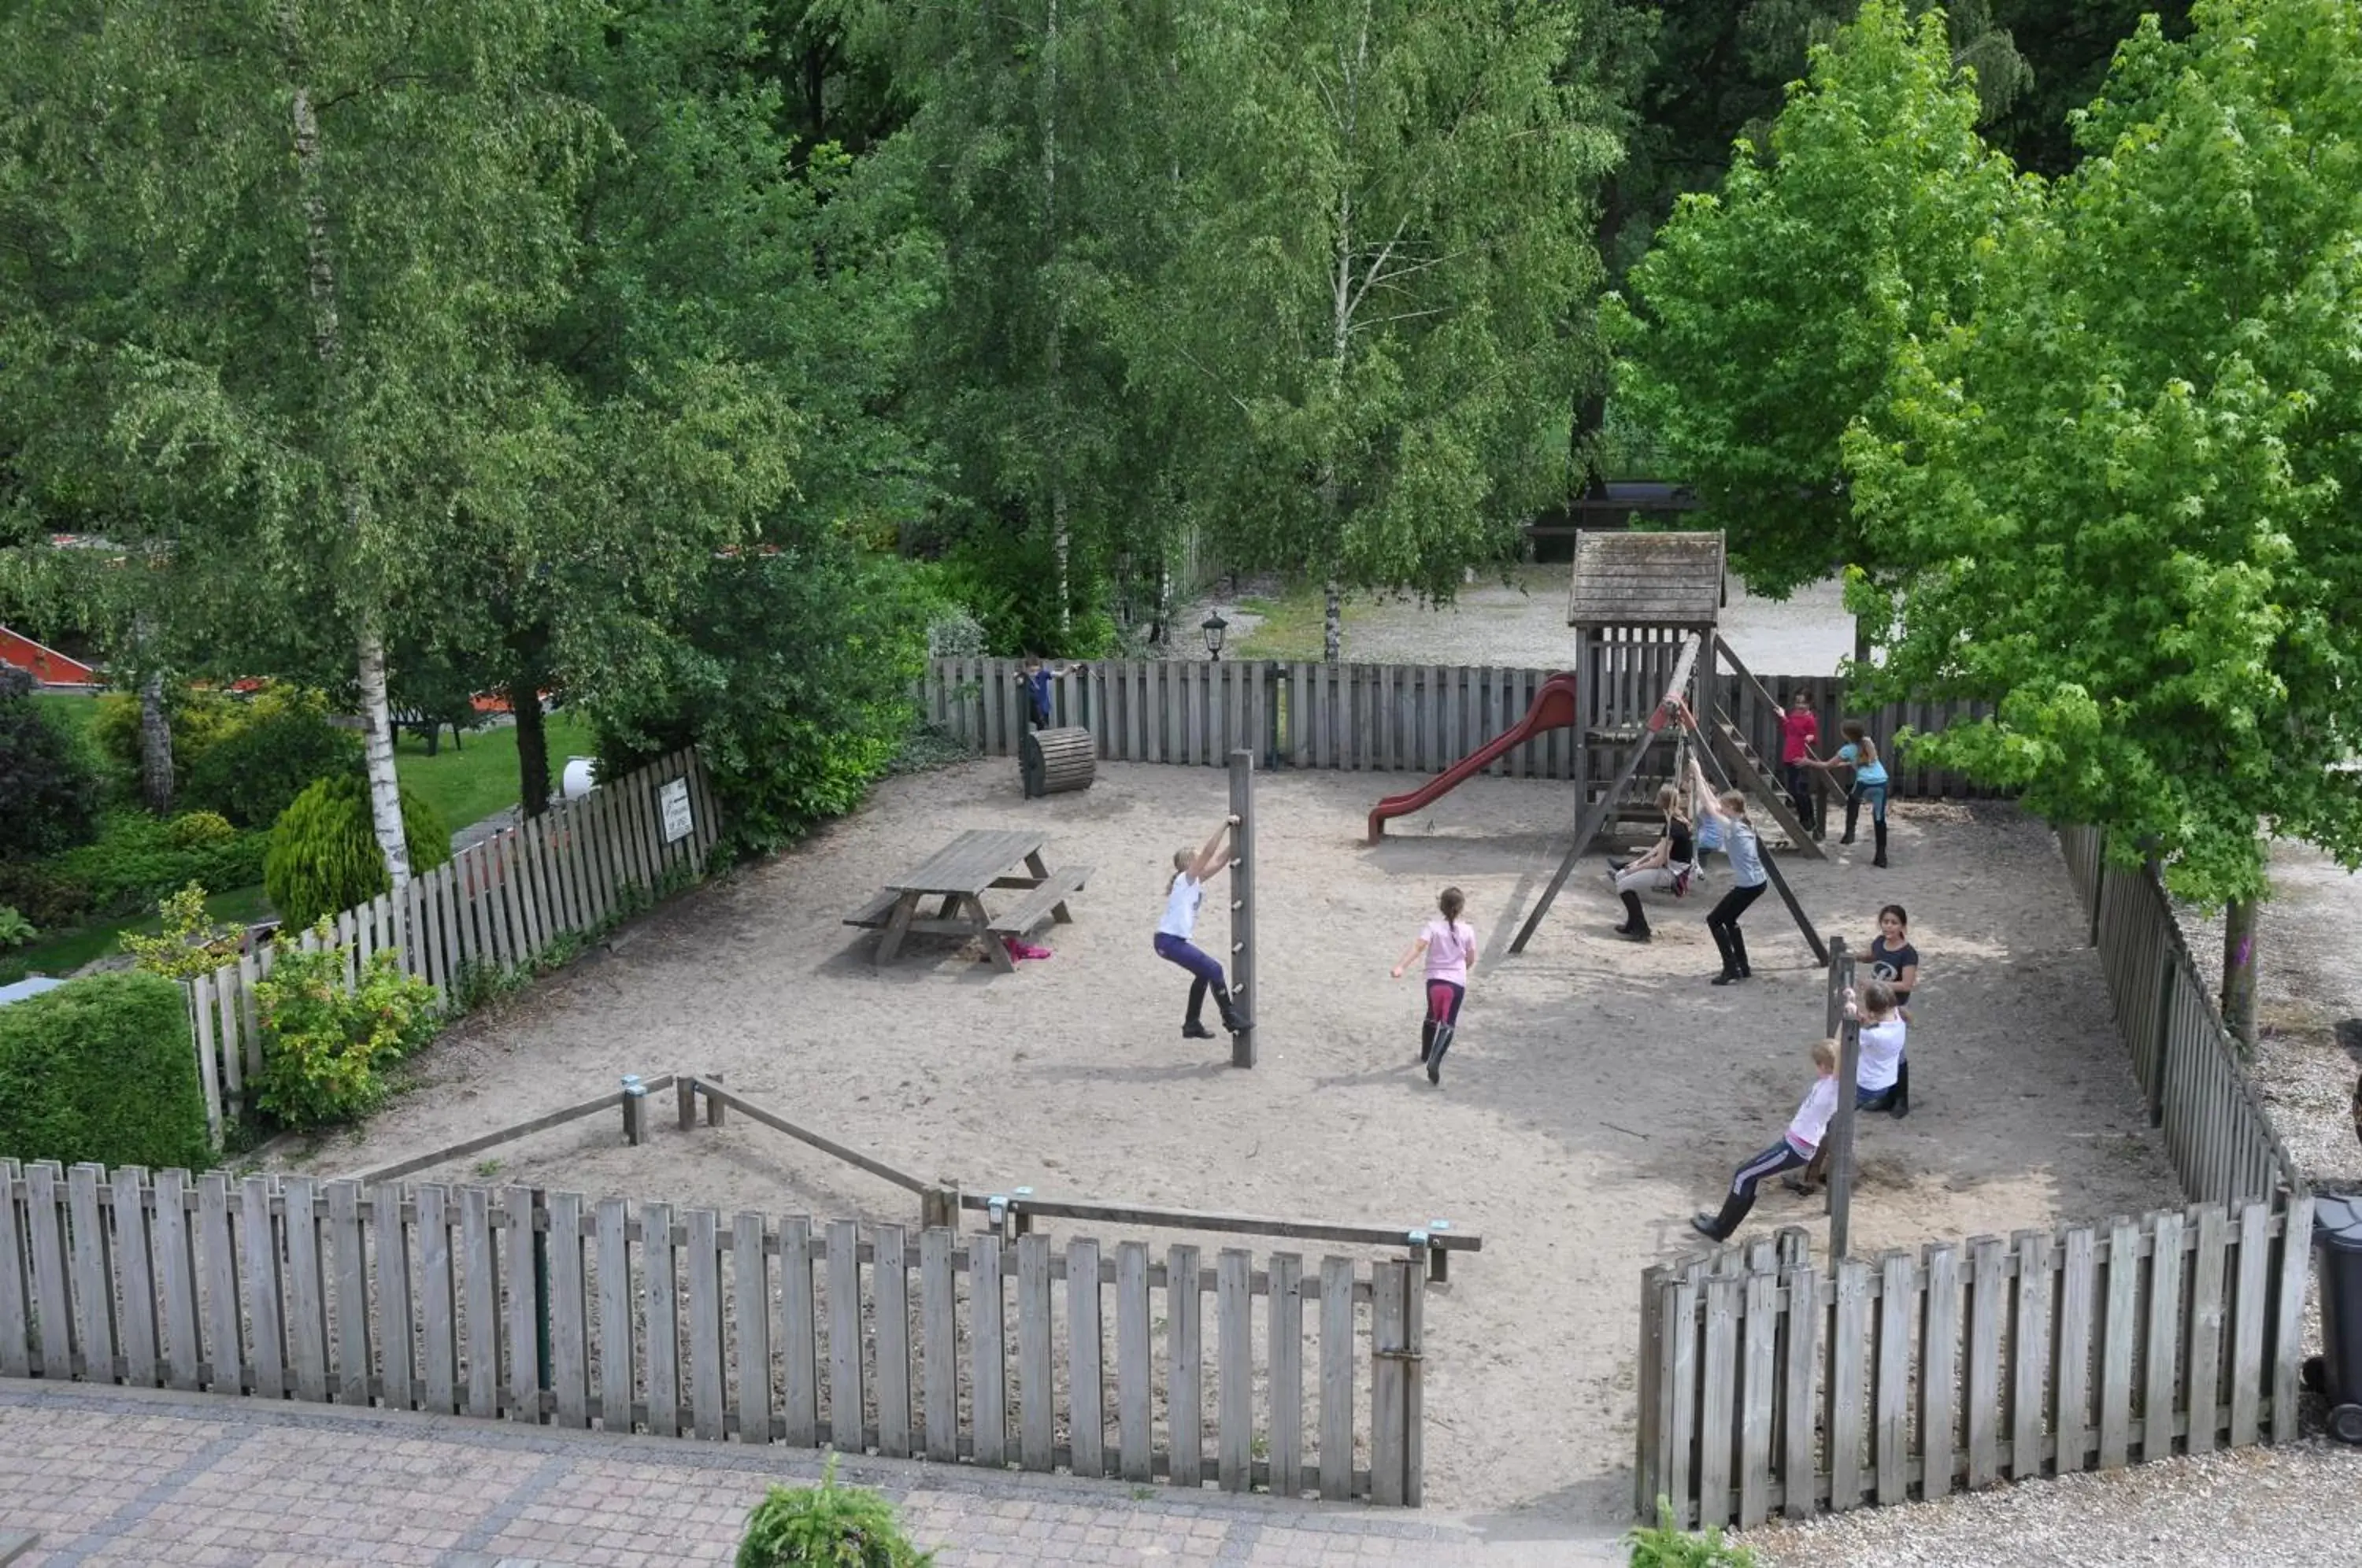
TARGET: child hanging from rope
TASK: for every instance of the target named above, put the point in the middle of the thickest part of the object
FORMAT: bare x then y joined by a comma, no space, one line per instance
1182,896
1449,944
1796,1147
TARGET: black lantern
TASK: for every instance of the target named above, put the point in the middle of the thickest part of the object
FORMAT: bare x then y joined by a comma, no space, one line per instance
1214,627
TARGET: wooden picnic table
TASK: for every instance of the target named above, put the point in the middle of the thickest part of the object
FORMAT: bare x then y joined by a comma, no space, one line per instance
958,875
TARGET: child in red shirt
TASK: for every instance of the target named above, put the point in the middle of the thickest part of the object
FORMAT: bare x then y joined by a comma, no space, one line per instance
1799,733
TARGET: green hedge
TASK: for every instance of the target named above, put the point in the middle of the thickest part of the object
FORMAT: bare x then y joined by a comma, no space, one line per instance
103,1069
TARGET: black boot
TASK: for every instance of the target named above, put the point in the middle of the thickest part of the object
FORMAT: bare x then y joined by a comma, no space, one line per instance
1635,919
1729,962
1739,953
1191,1028
1878,832
1718,1227
1898,1104
1233,1020
1426,1038
1853,814
1443,1033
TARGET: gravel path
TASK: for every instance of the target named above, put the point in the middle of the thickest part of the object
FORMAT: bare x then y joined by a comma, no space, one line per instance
2298,1506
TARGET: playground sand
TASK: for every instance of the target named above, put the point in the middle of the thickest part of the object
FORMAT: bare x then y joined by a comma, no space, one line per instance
1598,1094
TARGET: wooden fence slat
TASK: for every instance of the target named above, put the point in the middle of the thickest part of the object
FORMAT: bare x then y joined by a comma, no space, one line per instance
390,1254
1988,1305
1389,1436
1939,1361
521,1263
438,1316
1133,1373
2029,1353
1757,1388
2287,1331
2070,1417
660,1291
1037,1404
2204,1395
940,1330
1849,1358
889,1280
1234,1370
1085,1384
52,1290
1336,1464
709,1412
94,1279
846,1407
751,1294
1285,1336
480,1273
355,1363
798,1332
613,1223
568,1324
135,1267
989,1356
1718,1380
1802,1348
1185,1376
225,1325
2161,1362
267,1343
176,1270
1682,1329
2116,1337
202,1005
1891,1425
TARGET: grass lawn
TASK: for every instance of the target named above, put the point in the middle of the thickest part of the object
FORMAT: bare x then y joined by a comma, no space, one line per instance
64,954
76,712
468,786
1291,628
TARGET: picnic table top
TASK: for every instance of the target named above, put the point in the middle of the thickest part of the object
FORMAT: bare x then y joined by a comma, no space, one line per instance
970,863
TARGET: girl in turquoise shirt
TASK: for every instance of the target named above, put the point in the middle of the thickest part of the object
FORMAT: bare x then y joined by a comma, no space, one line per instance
1859,752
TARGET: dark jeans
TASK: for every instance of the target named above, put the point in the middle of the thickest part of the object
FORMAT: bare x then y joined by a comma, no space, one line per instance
1799,780
1206,973
1779,1156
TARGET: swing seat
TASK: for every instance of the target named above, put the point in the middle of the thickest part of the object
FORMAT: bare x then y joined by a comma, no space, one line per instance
1682,878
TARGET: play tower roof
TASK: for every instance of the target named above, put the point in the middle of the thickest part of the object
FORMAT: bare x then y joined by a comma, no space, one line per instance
1646,579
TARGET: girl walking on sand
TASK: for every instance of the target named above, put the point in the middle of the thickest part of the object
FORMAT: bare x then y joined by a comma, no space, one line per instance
1449,944
1183,894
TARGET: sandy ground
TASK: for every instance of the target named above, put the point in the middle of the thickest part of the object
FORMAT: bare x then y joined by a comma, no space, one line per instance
1599,1093
1523,625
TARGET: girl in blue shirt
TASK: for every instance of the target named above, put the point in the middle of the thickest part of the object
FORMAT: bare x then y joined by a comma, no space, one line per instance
1859,752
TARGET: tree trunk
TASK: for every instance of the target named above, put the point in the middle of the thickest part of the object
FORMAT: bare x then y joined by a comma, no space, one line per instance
155,727
327,342
1333,620
533,746
2239,970
1060,537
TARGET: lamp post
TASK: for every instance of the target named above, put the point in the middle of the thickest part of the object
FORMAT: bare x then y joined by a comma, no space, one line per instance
1214,627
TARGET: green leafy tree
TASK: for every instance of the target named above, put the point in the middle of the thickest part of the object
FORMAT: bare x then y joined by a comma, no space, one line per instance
1770,316
2124,489
48,786
1387,217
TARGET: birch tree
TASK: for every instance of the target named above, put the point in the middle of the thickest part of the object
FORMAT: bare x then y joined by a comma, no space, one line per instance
1387,217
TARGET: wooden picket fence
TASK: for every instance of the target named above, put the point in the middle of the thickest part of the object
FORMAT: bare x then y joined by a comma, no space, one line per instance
493,907
1359,717
1771,1383
548,1307
2217,1134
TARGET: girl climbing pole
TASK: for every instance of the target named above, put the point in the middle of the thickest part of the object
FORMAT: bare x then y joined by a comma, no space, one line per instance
1183,894
1449,944
1747,875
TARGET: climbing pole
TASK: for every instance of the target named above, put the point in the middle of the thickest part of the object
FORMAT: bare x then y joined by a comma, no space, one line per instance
1244,988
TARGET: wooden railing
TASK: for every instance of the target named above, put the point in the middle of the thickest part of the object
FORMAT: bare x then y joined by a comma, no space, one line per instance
1361,717
495,906
546,1307
2217,1134
1771,1383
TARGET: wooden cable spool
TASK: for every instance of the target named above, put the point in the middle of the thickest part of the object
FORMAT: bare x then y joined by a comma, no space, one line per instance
1052,762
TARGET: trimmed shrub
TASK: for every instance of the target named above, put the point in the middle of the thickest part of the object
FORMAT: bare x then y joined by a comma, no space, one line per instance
48,778
102,1068
254,771
325,1047
199,830
135,863
323,856
197,719
827,1526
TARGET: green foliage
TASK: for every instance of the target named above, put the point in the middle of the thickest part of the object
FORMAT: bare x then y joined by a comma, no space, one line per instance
103,1069
796,687
136,861
197,716
324,857
283,742
1768,318
827,1526
2125,485
326,1048
1667,1545
49,783
16,931
199,830
191,943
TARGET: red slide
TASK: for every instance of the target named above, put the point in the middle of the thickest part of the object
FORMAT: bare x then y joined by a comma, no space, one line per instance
1553,709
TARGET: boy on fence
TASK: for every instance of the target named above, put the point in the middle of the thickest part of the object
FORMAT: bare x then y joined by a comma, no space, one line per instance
1796,1147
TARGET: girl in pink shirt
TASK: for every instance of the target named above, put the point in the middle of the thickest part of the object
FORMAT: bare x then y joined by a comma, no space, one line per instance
1449,944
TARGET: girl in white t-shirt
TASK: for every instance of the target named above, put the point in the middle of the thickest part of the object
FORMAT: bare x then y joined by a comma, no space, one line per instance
1797,1145
1449,944
1183,894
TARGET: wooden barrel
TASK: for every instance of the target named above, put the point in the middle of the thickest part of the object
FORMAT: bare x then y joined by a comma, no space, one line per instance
1052,762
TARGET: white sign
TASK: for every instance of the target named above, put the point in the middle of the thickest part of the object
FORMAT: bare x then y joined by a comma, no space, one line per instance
674,800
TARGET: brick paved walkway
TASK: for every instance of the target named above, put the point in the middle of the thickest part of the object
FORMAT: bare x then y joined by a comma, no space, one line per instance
112,1476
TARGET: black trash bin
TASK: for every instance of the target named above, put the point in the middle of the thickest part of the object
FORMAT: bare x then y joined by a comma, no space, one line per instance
2337,1252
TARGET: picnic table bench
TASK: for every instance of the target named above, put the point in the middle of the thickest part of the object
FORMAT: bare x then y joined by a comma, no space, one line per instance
957,877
